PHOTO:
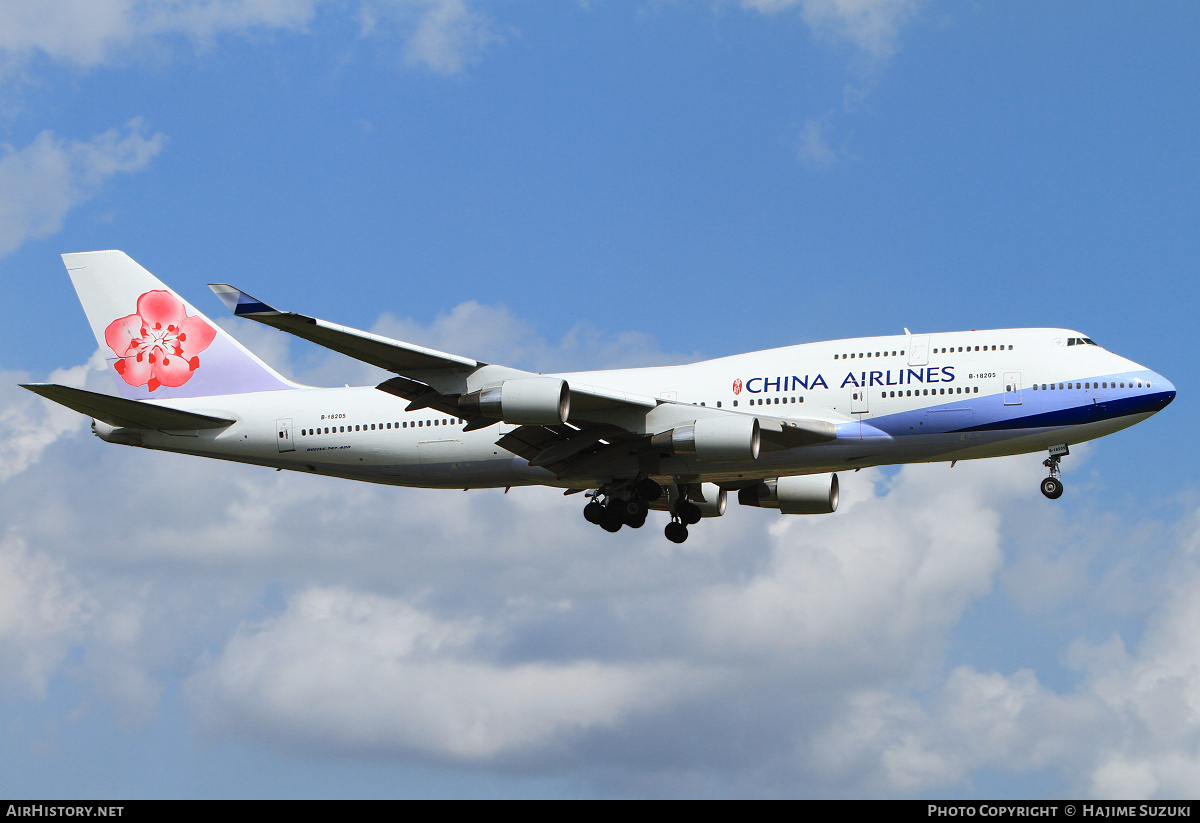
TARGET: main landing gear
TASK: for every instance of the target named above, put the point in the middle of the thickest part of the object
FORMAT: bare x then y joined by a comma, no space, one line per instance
624,504
627,504
686,513
1052,486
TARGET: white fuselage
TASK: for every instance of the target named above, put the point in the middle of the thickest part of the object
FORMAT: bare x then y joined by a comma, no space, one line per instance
898,399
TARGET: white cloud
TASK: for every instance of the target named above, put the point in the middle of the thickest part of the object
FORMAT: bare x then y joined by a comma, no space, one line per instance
814,145
42,613
90,32
440,35
493,335
360,672
29,424
42,182
869,584
1130,727
871,26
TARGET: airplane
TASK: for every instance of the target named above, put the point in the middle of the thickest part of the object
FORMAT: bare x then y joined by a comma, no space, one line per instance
773,427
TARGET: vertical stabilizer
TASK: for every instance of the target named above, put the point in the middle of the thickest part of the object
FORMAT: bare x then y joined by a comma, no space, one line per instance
156,344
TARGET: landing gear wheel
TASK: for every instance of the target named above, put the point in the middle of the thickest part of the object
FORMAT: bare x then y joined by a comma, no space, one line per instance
688,512
1052,487
614,515
676,532
648,490
593,512
636,522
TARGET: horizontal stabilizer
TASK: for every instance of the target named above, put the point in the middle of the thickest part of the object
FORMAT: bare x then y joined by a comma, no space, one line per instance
122,413
384,352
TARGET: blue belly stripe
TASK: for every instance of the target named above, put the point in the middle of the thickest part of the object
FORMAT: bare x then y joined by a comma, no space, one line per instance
1086,413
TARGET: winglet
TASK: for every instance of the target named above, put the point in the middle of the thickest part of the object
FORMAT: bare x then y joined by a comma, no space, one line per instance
240,303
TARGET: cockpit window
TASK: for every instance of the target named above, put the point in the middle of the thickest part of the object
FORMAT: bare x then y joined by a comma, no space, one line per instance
1081,341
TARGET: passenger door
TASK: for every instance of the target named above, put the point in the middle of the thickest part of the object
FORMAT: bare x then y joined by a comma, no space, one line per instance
284,428
1012,388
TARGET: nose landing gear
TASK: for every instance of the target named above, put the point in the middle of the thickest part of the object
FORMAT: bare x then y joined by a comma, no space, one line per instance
1052,486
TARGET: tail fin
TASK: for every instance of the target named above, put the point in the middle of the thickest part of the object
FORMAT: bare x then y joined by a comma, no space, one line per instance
156,343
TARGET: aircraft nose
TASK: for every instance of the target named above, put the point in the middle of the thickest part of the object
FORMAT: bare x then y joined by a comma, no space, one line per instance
1165,390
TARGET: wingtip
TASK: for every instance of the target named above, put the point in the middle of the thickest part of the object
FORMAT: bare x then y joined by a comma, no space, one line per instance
238,302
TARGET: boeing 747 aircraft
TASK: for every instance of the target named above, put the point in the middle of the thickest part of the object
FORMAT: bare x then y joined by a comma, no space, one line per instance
772,426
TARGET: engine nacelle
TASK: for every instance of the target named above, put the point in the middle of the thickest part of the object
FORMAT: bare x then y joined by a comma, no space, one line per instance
114,434
715,500
807,494
724,439
537,401
713,505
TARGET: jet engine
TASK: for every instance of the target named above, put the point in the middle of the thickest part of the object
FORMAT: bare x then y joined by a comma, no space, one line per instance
713,504
126,436
807,494
722,439
538,401
715,499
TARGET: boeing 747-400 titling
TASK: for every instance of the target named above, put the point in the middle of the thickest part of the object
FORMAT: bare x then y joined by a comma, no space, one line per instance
772,426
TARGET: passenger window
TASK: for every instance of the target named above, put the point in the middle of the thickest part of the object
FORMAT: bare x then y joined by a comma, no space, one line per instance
718,404
735,404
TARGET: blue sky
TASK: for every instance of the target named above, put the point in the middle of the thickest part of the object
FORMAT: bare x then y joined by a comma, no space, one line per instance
581,185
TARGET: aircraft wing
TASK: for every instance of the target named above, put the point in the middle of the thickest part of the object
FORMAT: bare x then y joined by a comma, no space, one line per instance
384,352
117,411
415,364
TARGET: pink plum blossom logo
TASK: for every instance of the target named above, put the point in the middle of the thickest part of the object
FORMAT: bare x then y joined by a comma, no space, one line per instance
737,386
158,346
